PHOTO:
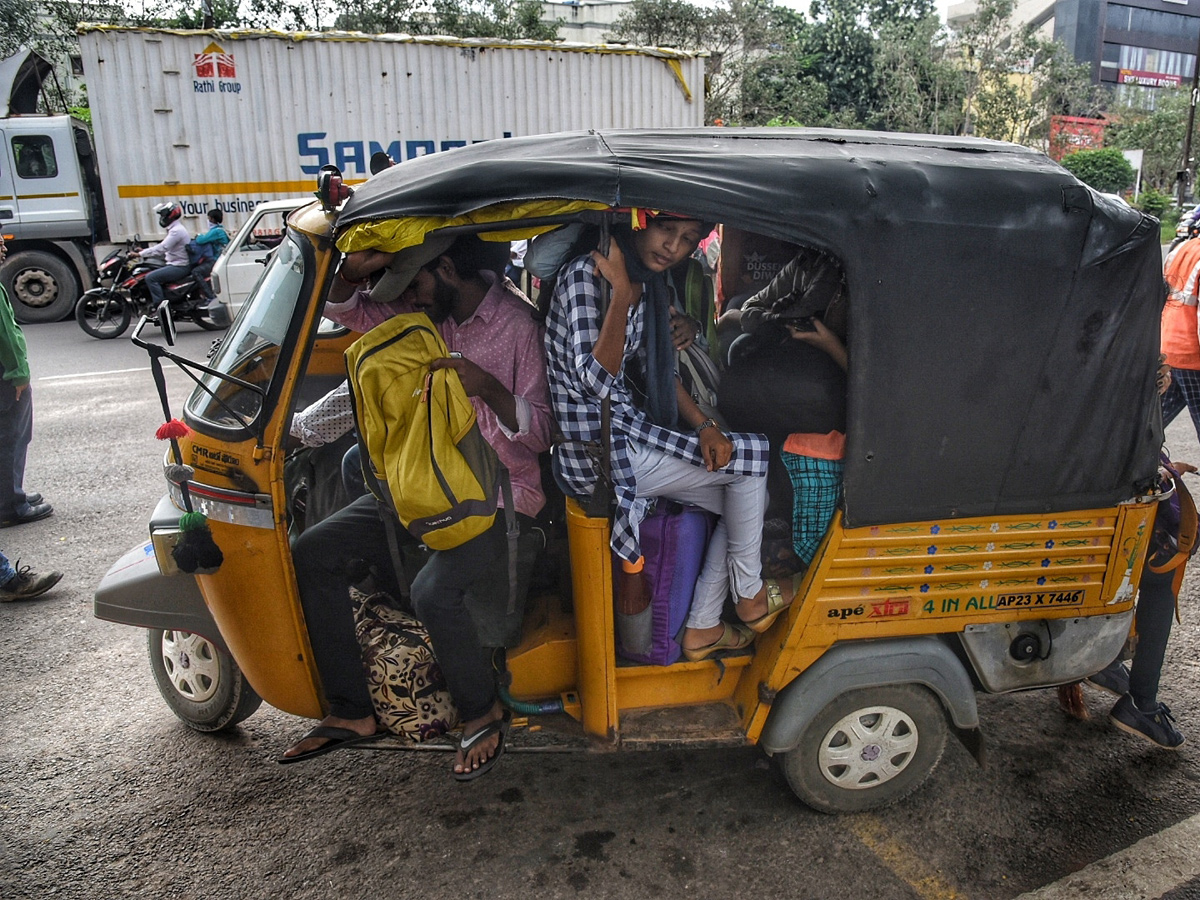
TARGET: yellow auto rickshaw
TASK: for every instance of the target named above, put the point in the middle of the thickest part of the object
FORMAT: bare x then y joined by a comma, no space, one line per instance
1000,479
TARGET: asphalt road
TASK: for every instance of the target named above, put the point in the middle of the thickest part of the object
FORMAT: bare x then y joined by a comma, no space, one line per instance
103,793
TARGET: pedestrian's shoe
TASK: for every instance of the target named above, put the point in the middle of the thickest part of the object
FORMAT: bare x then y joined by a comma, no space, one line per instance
1113,678
25,585
33,499
31,513
1156,726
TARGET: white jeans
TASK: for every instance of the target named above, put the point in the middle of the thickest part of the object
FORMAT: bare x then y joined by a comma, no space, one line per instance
733,558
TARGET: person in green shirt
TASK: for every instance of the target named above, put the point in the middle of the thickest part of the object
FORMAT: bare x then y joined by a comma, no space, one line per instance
16,422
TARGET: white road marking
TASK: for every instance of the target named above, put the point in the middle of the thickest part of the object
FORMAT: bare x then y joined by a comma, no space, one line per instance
92,374
1147,870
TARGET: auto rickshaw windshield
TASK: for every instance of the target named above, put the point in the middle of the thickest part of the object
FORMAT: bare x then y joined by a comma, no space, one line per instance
252,349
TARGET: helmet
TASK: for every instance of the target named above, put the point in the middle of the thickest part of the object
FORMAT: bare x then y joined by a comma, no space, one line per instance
168,213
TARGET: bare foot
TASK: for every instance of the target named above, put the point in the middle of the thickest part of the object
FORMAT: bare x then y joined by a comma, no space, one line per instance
365,727
481,751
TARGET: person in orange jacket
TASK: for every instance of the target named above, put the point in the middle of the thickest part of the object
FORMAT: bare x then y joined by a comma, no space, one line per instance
1180,339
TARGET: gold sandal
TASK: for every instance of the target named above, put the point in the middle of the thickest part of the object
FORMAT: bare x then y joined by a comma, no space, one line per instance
776,604
734,637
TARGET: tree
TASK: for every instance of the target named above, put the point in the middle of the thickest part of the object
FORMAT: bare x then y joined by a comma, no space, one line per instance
17,24
1016,81
1106,170
920,87
668,23
506,19
1158,132
777,90
738,36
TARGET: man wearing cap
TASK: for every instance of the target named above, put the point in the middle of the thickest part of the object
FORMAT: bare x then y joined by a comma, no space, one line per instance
500,360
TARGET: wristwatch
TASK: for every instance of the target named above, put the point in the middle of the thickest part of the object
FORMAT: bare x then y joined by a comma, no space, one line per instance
707,423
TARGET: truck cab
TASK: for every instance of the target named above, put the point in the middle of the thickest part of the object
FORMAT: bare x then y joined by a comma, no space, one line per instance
50,210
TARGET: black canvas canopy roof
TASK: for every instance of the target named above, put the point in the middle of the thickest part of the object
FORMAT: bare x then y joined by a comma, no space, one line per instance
1004,317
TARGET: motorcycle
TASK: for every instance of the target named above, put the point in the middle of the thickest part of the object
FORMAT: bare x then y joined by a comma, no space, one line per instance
105,312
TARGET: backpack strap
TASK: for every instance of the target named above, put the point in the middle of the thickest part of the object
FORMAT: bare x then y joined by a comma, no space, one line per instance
512,529
1185,543
1188,522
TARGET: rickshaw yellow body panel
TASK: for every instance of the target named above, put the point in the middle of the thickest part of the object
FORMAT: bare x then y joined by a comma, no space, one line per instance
591,578
253,596
939,577
545,664
876,582
263,628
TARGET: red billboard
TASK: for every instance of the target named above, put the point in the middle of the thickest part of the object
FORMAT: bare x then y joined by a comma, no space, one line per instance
1147,79
1069,134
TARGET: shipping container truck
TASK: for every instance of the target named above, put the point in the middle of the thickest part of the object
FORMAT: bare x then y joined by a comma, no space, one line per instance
228,120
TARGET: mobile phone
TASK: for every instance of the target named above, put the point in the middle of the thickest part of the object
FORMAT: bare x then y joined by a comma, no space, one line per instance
801,324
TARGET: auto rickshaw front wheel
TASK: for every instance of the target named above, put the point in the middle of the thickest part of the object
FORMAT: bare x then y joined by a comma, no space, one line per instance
200,681
868,748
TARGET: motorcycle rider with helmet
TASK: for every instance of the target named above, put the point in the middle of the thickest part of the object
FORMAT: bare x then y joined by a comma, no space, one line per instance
173,247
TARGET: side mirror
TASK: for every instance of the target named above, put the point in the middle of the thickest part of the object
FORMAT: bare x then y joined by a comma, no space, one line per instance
166,322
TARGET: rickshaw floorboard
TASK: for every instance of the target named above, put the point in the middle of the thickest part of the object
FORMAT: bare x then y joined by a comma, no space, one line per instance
699,726
703,725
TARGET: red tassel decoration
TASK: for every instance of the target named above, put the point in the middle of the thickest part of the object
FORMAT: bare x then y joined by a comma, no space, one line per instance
171,430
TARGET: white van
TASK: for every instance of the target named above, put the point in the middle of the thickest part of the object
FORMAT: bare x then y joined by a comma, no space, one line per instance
243,261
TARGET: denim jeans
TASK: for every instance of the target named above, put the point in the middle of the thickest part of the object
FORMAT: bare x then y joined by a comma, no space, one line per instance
1155,609
201,272
320,556
156,279
7,572
16,430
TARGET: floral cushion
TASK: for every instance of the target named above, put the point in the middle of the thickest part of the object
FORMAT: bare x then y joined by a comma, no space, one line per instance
405,680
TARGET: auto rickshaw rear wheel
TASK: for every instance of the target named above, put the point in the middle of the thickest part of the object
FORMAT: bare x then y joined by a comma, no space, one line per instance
200,682
868,748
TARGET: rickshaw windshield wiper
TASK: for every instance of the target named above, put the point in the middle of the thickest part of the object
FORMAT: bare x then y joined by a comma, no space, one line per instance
185,365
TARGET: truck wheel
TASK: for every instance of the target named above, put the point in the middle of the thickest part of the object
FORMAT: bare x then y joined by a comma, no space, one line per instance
41,286
103,314
200,682
868,748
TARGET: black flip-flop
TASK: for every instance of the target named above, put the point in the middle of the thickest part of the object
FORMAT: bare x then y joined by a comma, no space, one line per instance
500,727
337,738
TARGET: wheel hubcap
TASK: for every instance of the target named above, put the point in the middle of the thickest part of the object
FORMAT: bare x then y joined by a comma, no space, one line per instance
867,748
191,664
35,287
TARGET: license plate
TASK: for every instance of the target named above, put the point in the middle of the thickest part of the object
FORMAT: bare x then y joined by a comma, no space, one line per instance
1040,598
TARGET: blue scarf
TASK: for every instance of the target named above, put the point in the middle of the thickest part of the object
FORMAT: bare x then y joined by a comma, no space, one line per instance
661,403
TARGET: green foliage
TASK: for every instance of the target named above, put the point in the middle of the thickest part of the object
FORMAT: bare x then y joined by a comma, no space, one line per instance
1159,134
1154,202
505,19
17,26
1106,170
920,86
1016,82
668,23
187,14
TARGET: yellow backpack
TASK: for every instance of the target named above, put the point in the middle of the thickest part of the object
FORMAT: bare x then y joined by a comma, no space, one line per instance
420,440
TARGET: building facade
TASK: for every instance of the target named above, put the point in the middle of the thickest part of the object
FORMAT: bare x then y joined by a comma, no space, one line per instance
1136,47
586,21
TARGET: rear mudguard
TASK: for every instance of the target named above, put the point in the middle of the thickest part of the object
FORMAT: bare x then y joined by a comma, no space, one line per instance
135,592
926,661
